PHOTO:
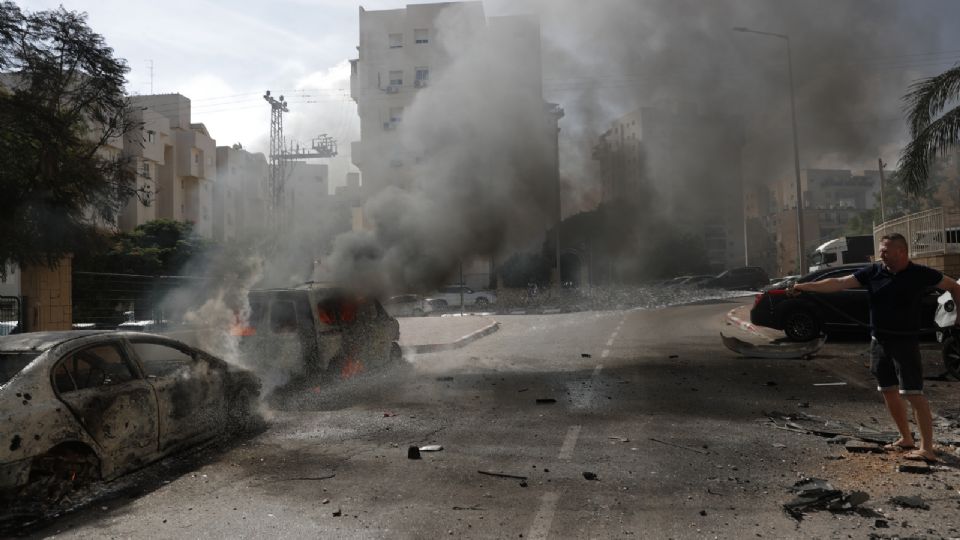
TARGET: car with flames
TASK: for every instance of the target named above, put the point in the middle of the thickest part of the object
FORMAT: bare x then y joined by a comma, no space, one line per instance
316,330
806,316
82,406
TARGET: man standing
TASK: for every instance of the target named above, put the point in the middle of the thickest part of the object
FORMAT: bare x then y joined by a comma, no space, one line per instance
896,286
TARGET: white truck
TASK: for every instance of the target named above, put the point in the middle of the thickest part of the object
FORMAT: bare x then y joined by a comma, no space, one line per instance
843,250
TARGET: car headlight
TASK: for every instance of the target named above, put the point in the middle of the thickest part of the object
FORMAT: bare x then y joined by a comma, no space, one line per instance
948,306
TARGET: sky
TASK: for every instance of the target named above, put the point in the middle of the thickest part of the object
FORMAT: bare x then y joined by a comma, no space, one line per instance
602,59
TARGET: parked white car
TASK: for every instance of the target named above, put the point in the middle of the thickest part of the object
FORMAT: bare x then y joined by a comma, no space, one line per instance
407,305
450,296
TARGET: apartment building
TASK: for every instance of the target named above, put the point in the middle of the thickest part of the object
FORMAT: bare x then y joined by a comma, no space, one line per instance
240,193
689,164
145,148
186,175
307,189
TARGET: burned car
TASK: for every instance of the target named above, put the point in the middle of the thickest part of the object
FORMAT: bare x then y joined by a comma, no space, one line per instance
316,330
81,406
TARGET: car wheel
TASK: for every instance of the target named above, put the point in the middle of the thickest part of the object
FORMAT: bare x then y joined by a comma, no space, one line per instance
951,356
241,415
801,325
61,471
482,302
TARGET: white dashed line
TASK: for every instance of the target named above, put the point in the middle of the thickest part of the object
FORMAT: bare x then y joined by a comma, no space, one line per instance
605,353
596,371
609,342
615,334
569,442
540,529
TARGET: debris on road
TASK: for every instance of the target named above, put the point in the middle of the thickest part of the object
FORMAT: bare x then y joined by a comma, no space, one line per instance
338,513
586,355
388,414
815,494
830,384
589,475
545,401
474,507
697,450
914,467
619,439
444,379
838,432
673,356
413,452
431,448
910,501
772,350
503,475
857,446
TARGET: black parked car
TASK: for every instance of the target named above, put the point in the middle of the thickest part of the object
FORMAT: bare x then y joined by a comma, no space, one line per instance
806,316
748,278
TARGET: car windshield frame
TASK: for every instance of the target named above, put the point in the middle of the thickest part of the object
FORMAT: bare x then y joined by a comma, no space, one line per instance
13,362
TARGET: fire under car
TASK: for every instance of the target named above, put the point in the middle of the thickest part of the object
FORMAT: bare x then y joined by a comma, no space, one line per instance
82,406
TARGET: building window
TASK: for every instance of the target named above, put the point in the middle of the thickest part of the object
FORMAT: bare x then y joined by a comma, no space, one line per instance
196,158
423,75
396,114
145,169
396,78
396,41
421,35
151,136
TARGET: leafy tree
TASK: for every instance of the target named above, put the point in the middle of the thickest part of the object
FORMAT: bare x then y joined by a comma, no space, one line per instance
933,130
62,118
159,247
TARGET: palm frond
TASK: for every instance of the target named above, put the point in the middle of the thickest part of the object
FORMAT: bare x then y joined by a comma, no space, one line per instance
931,142
927,98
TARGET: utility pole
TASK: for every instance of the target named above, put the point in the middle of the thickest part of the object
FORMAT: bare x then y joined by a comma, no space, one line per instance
883,215
276,178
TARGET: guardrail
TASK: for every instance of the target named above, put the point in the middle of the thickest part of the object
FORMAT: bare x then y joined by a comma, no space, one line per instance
930,232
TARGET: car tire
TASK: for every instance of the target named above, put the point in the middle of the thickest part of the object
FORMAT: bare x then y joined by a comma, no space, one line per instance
951,356
61,471
482,302
241,415
801,325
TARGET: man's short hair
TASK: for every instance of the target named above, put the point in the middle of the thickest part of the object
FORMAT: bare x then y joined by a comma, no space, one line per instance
896,237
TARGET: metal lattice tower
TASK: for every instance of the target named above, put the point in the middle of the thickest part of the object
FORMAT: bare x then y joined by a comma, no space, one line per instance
277,172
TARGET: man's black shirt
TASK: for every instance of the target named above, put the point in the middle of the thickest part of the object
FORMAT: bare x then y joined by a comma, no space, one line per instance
895,298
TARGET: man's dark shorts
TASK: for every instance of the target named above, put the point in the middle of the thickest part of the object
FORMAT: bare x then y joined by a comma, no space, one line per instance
897,363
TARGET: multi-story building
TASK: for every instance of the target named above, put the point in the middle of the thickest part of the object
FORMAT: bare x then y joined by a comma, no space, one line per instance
145,148
405,52
690,164
186,174
240,193
307,188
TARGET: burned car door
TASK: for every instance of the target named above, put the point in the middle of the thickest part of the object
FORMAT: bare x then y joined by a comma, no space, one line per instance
190,391
113,403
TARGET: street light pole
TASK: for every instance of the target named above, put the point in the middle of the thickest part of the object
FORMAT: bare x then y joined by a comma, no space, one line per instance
801,252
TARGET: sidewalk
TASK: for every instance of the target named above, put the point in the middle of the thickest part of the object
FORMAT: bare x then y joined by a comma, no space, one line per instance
431,334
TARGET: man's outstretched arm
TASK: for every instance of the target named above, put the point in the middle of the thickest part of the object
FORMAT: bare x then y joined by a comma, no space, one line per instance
828,285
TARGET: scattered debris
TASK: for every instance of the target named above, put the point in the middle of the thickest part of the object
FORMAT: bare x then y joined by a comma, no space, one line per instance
503,475
779,445
862,447
697,450
589,475
773,350
910,501
413,452
444,379
703,512
816,494
338,513
673,356
771,383
431,448
474,507
914,467
523,390
804,404
839,439
544,401
881,524
586,355
325,501
830,384
388,414
839,432
619,439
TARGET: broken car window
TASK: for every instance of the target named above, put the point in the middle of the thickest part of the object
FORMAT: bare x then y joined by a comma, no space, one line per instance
161,360
283,317
12,363
102,365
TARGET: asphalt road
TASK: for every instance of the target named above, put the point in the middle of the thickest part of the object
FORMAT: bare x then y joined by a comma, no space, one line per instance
671,424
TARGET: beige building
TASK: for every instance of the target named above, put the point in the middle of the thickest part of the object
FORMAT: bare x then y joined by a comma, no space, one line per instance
185,176
240,194
145,147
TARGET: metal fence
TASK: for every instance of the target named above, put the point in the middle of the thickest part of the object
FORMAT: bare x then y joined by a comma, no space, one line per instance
9,315
931,232
105,300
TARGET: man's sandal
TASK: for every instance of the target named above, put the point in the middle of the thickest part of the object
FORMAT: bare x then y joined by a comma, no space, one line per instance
894,447
917,455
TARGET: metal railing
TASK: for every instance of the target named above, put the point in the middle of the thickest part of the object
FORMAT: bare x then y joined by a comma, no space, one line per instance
930,232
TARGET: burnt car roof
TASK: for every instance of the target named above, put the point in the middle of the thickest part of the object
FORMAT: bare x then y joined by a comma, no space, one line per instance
42,341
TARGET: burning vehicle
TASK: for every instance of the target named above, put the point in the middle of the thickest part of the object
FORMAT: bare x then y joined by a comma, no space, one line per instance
82,406
316,331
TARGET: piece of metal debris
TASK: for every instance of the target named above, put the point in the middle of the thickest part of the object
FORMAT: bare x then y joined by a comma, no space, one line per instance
910,501
431,448
586,355
783,351
830,384
697,450
862,447
814,494
589,475
914,467
503,475
413,452
545,401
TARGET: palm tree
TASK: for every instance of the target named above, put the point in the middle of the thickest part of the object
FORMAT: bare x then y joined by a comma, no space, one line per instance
932,131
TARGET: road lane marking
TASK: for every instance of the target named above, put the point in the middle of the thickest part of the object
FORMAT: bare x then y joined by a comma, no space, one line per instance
615,334
609,342
569,442
542,521
605,353
596,370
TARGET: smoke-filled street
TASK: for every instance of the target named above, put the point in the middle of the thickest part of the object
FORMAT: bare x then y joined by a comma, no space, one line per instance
671,430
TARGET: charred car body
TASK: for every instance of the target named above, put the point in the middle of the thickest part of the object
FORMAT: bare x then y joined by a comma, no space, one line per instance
316,330
82,406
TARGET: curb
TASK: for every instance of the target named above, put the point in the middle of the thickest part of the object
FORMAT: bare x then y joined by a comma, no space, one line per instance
744,325
462,342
